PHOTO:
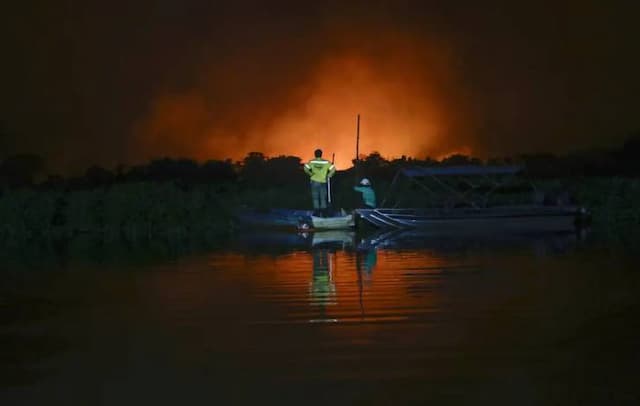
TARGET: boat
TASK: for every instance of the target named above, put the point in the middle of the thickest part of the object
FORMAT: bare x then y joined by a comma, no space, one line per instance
462,200
341,222
471,220
294,219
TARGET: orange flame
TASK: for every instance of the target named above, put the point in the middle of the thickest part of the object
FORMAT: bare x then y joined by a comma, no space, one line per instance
400,96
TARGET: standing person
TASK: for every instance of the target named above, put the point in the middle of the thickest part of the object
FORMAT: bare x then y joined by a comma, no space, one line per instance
319,171
368,194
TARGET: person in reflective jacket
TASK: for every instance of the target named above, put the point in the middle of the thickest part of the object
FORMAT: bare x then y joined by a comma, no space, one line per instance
319,171
368,194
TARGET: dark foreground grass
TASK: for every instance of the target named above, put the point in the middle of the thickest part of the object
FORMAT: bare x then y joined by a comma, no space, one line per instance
175,211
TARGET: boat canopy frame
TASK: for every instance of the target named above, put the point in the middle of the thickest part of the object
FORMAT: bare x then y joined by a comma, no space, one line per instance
474,177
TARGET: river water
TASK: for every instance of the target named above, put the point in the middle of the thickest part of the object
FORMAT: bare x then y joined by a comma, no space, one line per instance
326,318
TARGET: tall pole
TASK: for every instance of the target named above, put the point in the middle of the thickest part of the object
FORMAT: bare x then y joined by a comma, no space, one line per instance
333,158
357,147
358,138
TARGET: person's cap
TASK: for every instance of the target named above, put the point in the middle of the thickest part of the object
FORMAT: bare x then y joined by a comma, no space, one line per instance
365,182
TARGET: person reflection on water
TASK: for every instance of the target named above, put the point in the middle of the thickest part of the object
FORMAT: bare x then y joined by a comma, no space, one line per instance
323,289
319,171
366,260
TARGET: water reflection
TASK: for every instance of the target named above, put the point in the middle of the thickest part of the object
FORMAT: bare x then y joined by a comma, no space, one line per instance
324,251
23,349
391,318
366,260
323,287
344,284
540,244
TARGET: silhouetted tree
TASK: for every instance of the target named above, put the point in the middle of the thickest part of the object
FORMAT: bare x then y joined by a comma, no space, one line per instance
459,159
98,176
53,182
497,161
628,157
253,168
136,173
173,169
218,171
284,170
20,170
541,165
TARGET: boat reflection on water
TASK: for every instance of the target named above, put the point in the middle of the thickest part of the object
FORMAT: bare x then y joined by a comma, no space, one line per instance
342,239
342,263
402,317
546,243
365,243
348,276
324,248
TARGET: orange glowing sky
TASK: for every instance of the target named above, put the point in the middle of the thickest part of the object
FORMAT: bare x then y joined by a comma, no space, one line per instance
398,88
94,84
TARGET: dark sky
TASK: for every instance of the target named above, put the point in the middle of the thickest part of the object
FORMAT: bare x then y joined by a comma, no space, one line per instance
122,82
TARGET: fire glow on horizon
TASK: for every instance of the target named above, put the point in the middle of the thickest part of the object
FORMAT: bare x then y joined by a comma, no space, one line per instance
401,100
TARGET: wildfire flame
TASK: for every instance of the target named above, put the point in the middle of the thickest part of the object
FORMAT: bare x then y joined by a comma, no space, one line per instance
401,97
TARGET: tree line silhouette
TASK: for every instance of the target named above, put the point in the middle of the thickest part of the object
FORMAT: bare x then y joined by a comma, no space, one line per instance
259,171
181,198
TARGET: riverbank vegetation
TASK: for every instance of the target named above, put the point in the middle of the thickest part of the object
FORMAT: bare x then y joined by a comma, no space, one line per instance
181,198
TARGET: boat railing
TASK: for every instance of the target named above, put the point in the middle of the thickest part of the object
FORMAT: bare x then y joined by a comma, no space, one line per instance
471,186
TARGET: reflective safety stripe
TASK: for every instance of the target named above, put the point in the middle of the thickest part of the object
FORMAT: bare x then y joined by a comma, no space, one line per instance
319,170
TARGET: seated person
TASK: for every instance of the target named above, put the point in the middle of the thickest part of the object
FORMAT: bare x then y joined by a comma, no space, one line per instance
368,194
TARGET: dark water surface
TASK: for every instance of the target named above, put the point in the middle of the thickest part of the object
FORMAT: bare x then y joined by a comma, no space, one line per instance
324,319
